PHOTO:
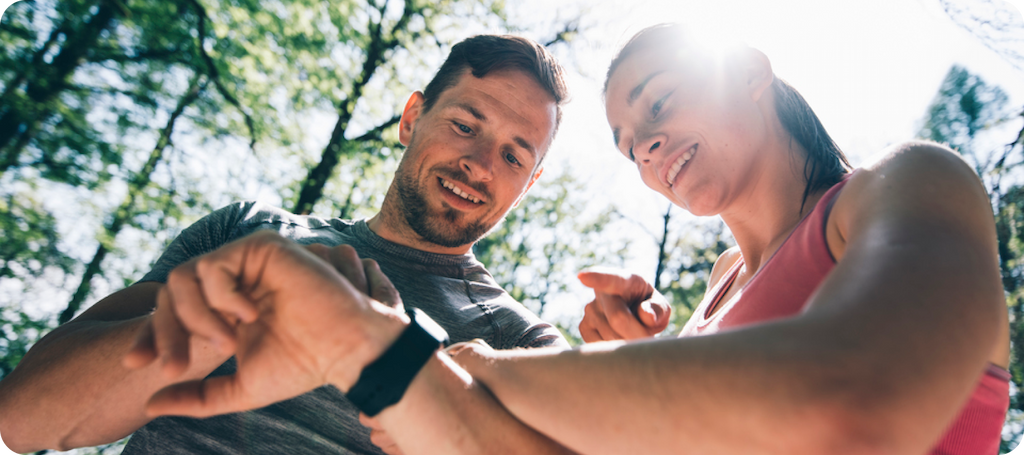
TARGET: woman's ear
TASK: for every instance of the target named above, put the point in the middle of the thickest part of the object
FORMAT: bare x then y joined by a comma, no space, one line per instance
756,71
412,111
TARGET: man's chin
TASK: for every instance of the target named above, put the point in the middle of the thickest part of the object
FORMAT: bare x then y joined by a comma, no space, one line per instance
449,230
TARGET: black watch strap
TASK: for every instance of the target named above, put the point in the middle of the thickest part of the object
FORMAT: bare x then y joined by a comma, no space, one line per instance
383,382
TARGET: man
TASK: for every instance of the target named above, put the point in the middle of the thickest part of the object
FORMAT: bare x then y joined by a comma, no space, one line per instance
475,140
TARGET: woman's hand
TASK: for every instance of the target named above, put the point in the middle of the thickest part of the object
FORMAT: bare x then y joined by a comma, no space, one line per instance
625,307
291,320
378,436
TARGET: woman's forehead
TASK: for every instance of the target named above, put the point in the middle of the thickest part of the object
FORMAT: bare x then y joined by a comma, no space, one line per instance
642,65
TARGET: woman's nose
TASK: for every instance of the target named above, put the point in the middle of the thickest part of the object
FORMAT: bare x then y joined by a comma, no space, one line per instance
644,149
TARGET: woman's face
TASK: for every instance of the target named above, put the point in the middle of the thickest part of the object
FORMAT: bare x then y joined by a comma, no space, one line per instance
692,126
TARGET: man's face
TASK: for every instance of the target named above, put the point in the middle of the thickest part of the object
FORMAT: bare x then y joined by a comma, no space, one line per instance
473,155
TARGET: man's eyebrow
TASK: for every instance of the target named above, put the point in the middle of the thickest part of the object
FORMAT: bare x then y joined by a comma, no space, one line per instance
526,145
635,93
471,110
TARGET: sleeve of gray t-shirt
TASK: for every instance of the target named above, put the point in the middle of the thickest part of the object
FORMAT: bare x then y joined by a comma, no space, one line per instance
207,234
520,328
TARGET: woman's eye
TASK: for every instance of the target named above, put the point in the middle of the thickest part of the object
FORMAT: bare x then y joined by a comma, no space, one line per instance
656,107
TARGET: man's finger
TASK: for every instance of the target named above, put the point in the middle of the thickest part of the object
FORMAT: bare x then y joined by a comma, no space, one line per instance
171,340
143,350
200,398
196,317
381,288
346,261
220,285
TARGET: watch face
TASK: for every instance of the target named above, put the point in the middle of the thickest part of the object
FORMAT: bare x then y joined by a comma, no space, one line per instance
428,325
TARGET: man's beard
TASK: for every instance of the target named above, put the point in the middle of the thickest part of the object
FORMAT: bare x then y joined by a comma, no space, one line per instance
437,228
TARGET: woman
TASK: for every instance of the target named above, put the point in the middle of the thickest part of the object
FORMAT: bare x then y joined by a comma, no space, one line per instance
861,312
877,327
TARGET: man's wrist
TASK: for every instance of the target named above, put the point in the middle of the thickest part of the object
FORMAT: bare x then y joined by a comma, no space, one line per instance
384,381
382,326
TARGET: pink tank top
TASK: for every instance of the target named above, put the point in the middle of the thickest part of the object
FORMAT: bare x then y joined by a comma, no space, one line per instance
785,284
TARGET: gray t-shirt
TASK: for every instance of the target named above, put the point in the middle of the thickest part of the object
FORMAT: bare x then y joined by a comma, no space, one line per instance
455,290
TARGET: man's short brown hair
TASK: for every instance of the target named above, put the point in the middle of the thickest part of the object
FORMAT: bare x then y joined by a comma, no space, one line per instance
482,54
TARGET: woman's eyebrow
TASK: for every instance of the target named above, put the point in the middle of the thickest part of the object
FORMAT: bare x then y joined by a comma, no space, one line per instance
635,93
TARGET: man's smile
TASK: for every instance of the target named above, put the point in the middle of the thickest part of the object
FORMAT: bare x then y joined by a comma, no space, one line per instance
462,196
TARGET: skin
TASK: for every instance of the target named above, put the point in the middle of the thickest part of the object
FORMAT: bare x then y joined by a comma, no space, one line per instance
488,137
915,294
72,388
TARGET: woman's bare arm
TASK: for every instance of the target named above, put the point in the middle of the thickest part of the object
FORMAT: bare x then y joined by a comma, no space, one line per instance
889,348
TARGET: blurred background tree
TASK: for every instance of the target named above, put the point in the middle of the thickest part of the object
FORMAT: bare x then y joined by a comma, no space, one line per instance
123,121
973,117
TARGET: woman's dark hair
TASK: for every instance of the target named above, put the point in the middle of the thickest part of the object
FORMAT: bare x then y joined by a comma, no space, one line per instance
826,164
482,54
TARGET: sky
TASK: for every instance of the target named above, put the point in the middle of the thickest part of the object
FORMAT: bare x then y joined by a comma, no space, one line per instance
868,68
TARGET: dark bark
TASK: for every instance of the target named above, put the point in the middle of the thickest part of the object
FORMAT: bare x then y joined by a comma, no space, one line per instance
312,188
128,208
662,254
214,74
47,82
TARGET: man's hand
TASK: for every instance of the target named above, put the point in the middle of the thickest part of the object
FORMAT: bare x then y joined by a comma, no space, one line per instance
625,307
291,320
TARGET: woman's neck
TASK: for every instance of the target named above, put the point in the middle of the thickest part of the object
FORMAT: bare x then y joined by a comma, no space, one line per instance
771,206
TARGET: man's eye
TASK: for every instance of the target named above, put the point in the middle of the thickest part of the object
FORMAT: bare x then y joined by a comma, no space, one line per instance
511,158
631,156
465,129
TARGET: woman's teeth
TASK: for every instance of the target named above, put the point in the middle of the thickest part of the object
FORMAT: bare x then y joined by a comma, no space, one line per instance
674,171
454,189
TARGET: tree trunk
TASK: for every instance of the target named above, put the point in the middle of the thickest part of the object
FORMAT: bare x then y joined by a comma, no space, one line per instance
662,254
128,208
312,188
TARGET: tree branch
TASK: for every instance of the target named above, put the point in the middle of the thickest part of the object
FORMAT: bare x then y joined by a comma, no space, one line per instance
214,74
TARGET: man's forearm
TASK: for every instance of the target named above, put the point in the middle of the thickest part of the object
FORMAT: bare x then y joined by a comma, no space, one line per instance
444,411
71,389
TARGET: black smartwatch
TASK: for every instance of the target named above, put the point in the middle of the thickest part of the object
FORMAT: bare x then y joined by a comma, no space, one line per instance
383,382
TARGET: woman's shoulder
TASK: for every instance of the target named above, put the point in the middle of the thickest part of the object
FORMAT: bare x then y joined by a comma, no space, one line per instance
725,261
907,181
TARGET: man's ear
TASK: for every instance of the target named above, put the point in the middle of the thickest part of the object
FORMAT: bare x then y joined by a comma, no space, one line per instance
533,180
756,71
412,111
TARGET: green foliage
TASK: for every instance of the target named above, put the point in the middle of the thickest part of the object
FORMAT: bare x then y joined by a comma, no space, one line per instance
968,114
31,239
537,251
691,251
18,332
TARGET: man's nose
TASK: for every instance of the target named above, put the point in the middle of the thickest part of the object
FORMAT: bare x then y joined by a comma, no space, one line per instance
479,163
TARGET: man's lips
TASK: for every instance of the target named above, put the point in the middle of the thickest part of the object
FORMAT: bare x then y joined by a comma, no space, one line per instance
461,191
673,170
